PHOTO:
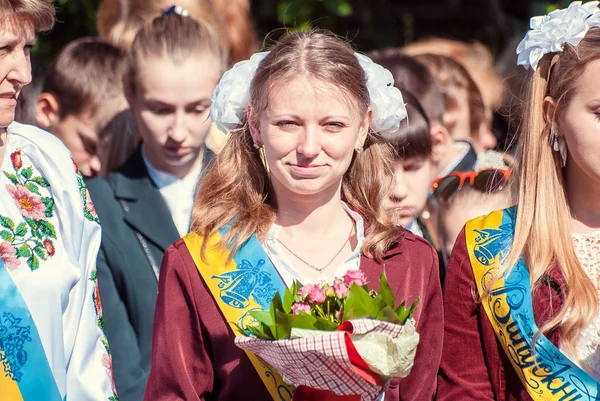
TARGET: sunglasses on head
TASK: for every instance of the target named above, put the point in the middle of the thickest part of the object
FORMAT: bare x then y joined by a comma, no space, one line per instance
488,180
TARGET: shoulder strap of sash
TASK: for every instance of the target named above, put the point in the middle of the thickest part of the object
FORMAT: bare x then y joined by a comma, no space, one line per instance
248,282
544,370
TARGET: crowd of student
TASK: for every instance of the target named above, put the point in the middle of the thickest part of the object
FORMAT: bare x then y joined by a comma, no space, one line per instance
291,149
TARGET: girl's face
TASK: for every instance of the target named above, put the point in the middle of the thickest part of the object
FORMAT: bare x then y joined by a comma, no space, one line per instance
580,124
170,102
408,196
310,130
17,37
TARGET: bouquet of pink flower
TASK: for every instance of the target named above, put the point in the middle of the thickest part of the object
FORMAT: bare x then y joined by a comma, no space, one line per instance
339,338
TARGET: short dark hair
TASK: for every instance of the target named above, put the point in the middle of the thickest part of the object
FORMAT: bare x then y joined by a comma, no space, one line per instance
415,77
413,139
87,75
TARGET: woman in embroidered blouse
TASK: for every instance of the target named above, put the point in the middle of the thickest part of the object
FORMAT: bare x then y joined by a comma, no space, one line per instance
556,227
308,119
51,342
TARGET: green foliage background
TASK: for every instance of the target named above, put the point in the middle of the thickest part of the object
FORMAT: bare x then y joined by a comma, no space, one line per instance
369,24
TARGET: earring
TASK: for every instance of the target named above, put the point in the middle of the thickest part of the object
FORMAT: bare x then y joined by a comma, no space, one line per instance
358,150
560,145
257,146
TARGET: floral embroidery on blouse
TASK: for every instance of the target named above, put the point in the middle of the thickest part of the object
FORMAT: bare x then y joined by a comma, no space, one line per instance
12,338
34,238
106,358
89,210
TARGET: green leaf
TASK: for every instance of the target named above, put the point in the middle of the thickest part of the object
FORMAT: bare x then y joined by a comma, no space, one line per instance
21,230
404,313
33,262
7,222
33,188
27,173
23,251
385,291
359,304
262,332
290,296
41,181
40,251
13,178
46,229
325,325
286,322
262,317
7,236
49,203
388,314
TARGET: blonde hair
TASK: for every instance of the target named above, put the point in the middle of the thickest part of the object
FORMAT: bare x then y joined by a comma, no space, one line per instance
118,21
475,57
237,187
543,223
40,12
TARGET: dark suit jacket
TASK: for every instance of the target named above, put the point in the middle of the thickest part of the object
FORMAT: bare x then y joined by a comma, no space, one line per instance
136,229
194,357
474,365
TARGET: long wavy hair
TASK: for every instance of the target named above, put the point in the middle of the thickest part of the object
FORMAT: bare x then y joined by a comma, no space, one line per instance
543,223
237,187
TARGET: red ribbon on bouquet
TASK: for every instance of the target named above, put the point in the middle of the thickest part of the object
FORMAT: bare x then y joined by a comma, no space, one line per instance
303,393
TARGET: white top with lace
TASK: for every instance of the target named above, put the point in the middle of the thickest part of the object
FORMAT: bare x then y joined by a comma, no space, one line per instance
587,247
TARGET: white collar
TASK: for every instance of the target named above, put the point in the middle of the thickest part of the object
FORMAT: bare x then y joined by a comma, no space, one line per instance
162,179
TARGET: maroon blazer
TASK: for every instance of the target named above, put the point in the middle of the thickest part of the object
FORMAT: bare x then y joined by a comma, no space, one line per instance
194,357
474,365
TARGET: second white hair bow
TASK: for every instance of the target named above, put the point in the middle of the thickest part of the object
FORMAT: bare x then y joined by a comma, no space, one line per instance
549,33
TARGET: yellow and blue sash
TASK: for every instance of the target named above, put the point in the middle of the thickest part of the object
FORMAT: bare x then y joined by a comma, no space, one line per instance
246,283
25,373
546,373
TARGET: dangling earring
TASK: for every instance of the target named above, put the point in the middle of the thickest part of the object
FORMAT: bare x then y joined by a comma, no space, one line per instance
257,146
560,145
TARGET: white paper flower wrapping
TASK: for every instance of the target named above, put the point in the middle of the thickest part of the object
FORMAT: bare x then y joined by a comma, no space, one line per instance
323,361
549,33
230,98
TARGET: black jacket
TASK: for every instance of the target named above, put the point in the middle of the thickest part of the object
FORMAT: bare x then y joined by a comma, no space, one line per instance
136,230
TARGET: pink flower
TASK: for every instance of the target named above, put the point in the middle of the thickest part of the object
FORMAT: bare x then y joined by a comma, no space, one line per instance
300,307
30,204
341,290
316,295
89,204
8,254
355,276
304,290
328,290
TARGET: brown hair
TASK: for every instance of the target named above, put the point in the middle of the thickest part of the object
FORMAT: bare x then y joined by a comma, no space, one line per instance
82,79
118,21
237,186
453,78
40,12
414,76
543,223
475,57
176,37
414,136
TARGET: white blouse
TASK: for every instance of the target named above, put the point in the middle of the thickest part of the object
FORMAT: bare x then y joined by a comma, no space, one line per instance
287,270
587,247
52,343
179,194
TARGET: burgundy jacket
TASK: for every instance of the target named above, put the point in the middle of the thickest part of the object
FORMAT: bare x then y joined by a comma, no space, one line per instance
474,365
194,357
